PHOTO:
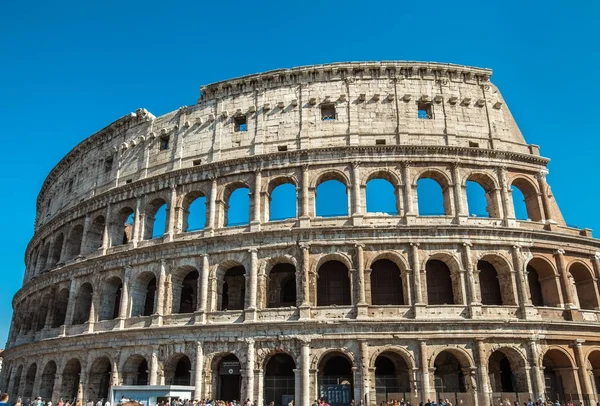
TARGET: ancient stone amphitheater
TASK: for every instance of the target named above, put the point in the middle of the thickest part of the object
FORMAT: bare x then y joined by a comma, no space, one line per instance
365,305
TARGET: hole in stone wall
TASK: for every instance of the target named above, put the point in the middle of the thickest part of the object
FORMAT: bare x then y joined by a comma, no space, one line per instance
328,112
240,124
163,143
425,110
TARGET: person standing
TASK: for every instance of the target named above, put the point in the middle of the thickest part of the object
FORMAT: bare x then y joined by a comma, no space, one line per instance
4,399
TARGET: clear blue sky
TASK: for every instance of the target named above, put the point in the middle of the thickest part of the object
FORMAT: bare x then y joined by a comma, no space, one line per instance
69,68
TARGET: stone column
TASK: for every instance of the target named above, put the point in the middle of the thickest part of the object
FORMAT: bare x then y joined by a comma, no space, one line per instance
473,297
212,208
541,178
138,233
123,307
71,302
582,370
105,233
409,210
250,371
596,265
305,364
357,212
522,290
360,268
459,203
198,365
364,371
260,395
305,306
172,227
539,386
416,271
250,312
565,285
424,370
84,239
305,214
161,292
255,223
114,378
507,208
482,368
154,366
204,288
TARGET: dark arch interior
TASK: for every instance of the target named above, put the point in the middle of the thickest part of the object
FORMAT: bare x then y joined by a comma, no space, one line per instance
333,284
535,287
391,377
282,286
149,298
489,284
448,374
234,289
386,283
439,283
502,377
279,379
336,380
189,293
182,373
229,378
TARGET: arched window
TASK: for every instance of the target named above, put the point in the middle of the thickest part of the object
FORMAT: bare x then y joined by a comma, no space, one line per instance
386,283
95,235
381,197
122,227
47,382
526,196
155,220
74,241
61,302
439,283
56,250
83,304
583,281
448,373
489,284
282,202
392,376
476,200
331,199
194,207
502,377
185,290
279,377
432,198
98,381
535,287
135,371
543,286
559,374
282,286
336,369
238,208
178,371
70,379
42,313
233,288
111,299
333,284
29,381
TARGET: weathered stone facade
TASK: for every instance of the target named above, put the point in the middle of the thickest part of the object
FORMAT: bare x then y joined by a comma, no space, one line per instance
104,303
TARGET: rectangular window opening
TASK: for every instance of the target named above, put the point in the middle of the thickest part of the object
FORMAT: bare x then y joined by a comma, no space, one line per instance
379,142
473,144
282,148
328,112
164,143
240,124
425,111
108,163
128,181
197,162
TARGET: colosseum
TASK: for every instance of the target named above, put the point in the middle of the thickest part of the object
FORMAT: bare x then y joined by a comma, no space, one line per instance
361,304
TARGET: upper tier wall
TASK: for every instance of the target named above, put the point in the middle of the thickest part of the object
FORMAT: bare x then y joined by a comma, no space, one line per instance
374,103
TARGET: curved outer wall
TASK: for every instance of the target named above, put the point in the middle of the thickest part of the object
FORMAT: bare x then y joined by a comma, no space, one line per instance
88,302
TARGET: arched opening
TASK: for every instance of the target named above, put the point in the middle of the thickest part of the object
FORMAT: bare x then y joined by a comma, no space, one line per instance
178,371
122,227
233,289
584,285
188,301
381,197
238,208
282,286
502,377
279,380
95,235
525,200
143,295
17,383
111,299
155,219
74,242
331,199
61,302
433,195
333,284
135,371
489,284
56,251
47,382
336,379
439,283
42,313
594,365
386,283
282,202
83,304
448,375
29,381
543,286
559,375
99,379
43,259
194,209
229,380
476,200
391,377
70,379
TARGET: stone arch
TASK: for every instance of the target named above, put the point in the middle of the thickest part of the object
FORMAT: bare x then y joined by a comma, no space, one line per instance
318,357
442,272
70,379
42,311
59,312
329,174
542,277
268,190
278,377
281,283
453,367
583,283
186,204
230,277
490,186
531,194
497,369
14,390
184,281
442,179
335,367
73,248
83,304
225,387
503,268
95,235
42,264
135,370
386,284
30,380
559,372
99,377
111,298
224,194
55,255
382,173
385,200
143,294
150,213
400,351
333,284
337,180
121,226
461,354
397,258
335,256
593,366
47,380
